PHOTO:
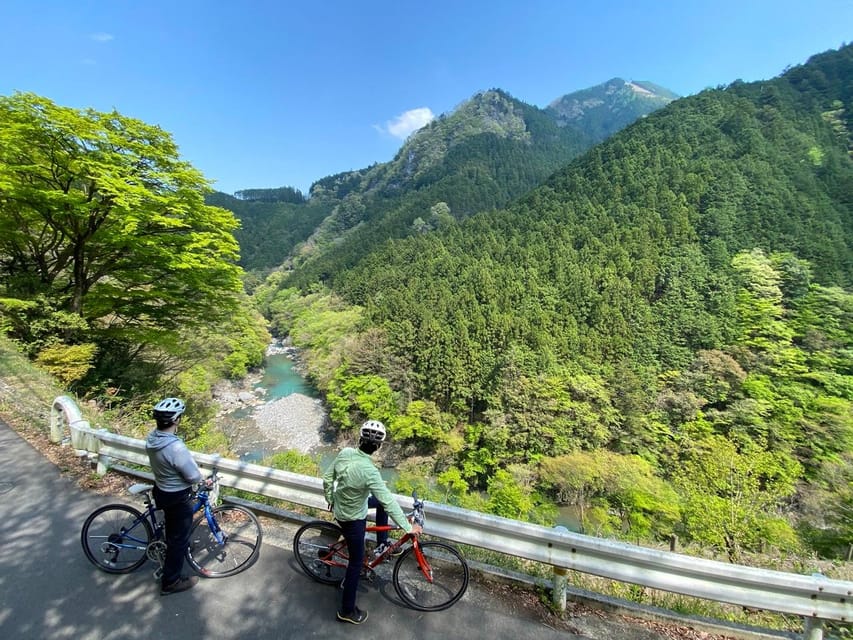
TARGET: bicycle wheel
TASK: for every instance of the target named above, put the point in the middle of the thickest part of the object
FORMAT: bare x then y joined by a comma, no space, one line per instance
240,547
440,584
321,551
115,538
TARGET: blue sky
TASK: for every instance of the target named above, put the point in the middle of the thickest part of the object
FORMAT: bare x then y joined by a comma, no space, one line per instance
272,93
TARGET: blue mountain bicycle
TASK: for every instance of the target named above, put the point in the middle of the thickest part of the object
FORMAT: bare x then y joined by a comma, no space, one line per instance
225,539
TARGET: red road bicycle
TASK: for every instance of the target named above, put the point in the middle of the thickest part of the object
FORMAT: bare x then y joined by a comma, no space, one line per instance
427,576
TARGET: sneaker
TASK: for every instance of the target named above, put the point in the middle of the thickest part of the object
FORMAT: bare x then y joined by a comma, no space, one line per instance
383,547
356,617
182,584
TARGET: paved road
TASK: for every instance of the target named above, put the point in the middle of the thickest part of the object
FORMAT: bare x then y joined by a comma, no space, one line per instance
48,590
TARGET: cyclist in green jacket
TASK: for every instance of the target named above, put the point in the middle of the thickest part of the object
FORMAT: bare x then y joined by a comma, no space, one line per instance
349,482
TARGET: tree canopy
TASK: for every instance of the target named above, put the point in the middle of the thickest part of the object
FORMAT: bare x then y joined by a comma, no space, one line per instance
104,234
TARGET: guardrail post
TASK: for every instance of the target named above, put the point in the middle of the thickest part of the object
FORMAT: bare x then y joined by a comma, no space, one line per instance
104,464
813,629
558,596
57,422
64,411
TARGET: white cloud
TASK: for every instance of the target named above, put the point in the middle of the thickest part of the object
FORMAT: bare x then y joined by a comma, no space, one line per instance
102,37
408,122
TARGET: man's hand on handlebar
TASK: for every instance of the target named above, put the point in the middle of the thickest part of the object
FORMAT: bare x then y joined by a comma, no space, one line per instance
416,528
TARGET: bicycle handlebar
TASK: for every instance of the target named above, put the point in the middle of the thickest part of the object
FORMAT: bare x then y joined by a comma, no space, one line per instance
417,512
211,491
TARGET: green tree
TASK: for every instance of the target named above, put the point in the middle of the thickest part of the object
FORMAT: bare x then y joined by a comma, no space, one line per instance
353,399
422,421
69,363
733,499
624,485
99,214
508,497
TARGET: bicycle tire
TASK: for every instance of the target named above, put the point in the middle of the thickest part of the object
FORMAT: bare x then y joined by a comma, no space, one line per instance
321,551
115,538
450,575
241,547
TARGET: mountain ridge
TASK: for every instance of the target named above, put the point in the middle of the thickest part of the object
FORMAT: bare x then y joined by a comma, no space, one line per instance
660,332
488,150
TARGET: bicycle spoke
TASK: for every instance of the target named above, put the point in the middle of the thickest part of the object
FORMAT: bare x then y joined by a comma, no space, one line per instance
321,552
435,585
115,538
240,543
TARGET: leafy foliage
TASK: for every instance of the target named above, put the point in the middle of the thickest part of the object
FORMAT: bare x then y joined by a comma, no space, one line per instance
68,363
111,264
732,498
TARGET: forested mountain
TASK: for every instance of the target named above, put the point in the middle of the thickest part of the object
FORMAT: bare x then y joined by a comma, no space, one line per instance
607,108
488,151
272,222
660,334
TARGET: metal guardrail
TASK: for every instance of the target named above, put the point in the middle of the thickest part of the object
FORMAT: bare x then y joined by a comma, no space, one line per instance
815,598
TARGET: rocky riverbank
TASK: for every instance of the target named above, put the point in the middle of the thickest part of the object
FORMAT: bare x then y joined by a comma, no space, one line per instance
296,421
257,425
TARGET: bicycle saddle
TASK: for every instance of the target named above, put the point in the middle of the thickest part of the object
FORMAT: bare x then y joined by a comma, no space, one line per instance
140,488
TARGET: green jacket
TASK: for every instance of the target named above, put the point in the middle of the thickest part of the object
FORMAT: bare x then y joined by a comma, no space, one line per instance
350,480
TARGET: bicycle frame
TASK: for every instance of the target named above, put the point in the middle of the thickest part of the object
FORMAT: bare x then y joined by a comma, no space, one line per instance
372,563
158,528
409,537
204,500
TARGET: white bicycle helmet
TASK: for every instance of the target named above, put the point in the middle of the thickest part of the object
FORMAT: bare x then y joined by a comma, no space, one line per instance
169,409
373,431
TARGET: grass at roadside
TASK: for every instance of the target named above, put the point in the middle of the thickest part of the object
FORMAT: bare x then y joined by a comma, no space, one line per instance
26,397
26,392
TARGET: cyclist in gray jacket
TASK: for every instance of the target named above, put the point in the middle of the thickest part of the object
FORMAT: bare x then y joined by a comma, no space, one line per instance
175,473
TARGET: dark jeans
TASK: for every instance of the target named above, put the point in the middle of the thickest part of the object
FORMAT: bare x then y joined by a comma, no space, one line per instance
178,514
354,536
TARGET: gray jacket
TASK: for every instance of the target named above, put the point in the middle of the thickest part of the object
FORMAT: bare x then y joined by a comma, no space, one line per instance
173,467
